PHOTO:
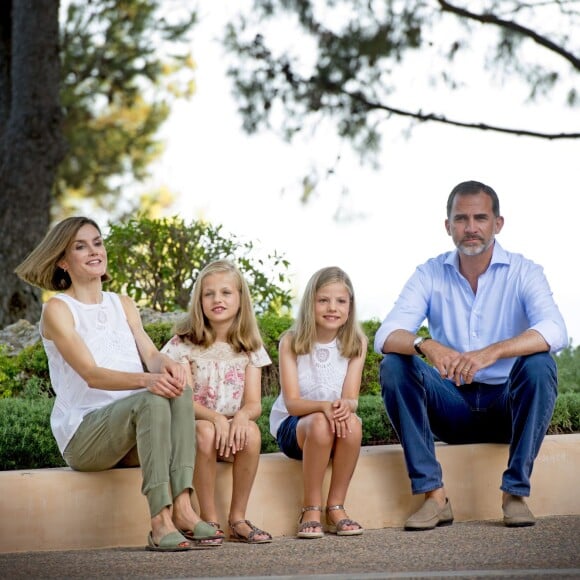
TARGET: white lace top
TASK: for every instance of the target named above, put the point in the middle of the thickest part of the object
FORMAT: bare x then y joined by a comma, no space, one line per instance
105,330
321,377
219,372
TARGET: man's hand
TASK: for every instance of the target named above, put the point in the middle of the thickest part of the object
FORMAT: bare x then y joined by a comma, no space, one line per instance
456,366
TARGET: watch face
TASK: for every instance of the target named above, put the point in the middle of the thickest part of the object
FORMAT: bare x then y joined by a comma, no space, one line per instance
417,344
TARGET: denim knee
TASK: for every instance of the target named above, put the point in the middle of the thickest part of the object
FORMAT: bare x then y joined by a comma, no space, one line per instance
537,369
394,370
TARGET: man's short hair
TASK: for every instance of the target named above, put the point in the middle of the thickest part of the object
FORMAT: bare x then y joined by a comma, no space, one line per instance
473,188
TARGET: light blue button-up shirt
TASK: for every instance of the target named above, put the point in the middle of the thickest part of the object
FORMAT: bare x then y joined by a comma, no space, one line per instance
513,295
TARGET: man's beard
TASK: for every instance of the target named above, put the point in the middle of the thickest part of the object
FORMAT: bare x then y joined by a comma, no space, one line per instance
474,250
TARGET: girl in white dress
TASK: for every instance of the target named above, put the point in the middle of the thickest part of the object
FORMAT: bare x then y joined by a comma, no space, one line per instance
314,418
220,345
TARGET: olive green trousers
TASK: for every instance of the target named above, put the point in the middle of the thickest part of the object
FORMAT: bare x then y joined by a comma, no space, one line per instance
163,432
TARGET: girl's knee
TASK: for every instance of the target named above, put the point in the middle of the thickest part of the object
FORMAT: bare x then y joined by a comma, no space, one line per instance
254,434
318,429
205,437
254,440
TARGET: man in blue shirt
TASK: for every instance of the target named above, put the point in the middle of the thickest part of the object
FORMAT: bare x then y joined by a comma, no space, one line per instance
494,326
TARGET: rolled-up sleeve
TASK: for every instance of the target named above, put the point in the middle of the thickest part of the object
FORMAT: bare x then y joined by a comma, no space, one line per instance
410,309
543,313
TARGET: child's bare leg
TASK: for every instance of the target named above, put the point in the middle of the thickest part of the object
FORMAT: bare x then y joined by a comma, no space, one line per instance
244,472
204,475
345,458
316,440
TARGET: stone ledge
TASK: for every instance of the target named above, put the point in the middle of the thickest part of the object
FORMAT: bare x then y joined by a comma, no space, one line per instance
60,509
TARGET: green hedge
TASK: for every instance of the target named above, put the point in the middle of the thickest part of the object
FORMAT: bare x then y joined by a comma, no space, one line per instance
27,373
26,441
26,397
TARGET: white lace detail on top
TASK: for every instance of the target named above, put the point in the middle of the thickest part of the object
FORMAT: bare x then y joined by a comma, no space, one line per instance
321,377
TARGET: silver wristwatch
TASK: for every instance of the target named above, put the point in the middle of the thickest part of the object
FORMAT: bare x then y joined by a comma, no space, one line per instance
418,342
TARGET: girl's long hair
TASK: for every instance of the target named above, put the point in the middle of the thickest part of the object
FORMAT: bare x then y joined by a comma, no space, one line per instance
243,335
303,334
41,268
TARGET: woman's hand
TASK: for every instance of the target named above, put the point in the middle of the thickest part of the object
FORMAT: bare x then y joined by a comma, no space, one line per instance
175,369
164,385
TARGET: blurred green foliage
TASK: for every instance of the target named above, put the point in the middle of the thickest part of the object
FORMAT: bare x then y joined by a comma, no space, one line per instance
26,397
156,262
124,64
26,441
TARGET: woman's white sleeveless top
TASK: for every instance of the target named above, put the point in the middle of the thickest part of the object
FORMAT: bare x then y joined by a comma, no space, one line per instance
106,332
321,375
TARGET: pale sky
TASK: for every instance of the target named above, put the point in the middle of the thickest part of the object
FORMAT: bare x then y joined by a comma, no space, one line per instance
250,186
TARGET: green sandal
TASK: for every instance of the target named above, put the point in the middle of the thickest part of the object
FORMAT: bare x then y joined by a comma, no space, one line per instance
172,542
204,534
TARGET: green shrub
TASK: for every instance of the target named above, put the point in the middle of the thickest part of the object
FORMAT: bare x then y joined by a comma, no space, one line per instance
156,262
25,374
370,376
269,444
377,429
9,386
159,332
566,418
271,328
26,441
25,396
568,362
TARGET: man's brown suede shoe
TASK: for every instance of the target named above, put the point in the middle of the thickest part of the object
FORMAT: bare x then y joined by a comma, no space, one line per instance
516,513
430,515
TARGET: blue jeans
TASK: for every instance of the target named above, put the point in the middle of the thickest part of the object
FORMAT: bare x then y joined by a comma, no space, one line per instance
422,406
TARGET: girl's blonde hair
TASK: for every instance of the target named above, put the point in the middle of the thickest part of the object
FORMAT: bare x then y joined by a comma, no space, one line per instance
350,336
243,335
41,267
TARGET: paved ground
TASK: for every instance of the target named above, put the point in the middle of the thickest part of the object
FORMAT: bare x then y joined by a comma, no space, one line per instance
551,549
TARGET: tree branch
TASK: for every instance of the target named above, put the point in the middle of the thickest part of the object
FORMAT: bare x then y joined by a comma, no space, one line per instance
515,27
442,119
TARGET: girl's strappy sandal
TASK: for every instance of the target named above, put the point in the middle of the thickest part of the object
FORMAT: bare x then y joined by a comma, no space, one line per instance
251,538
339,527
302,526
